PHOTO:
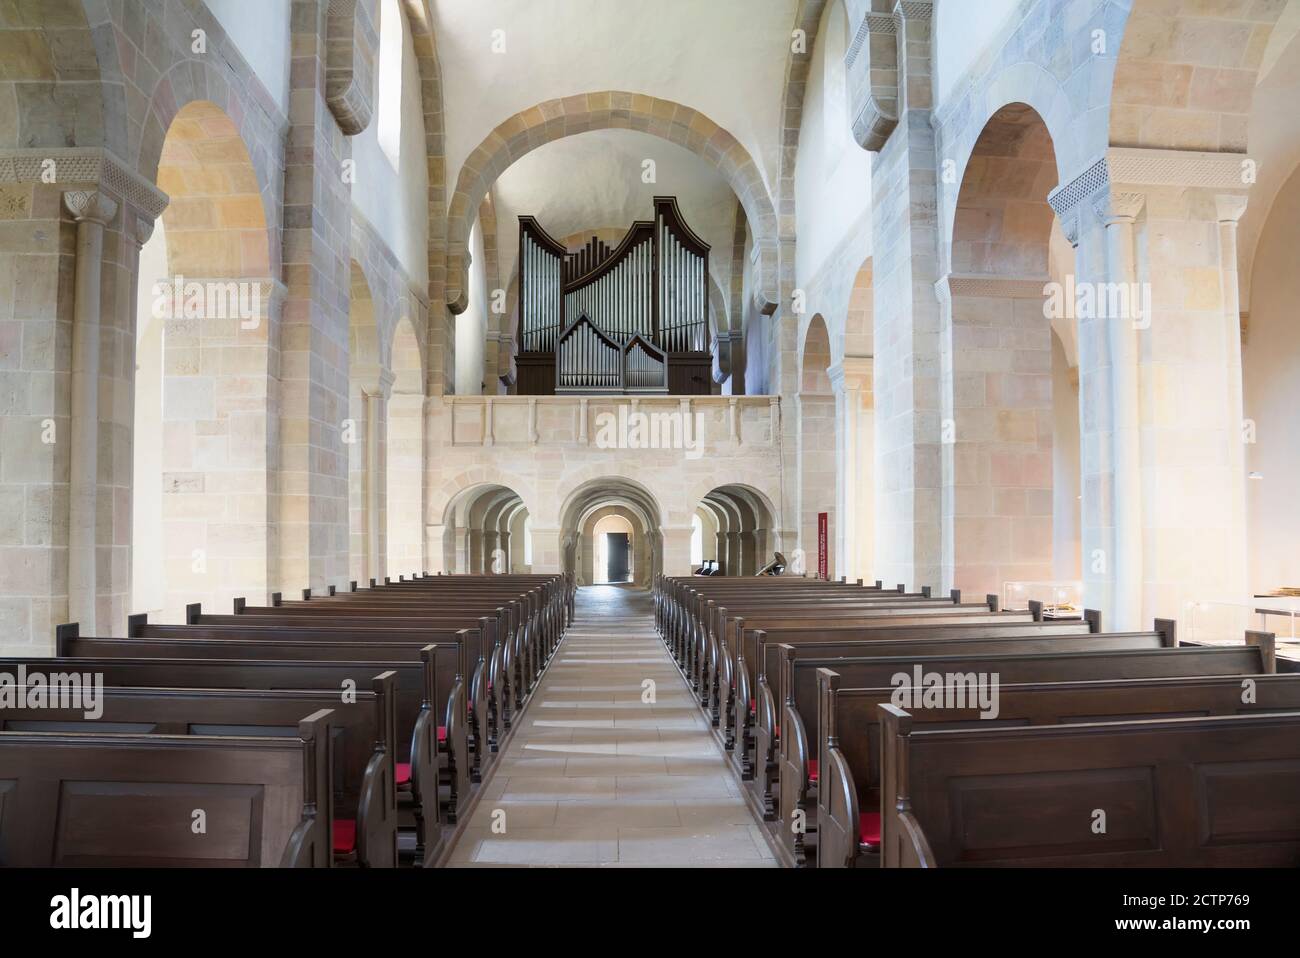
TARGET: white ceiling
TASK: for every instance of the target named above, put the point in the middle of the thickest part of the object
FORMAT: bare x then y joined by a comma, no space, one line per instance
592,180
725,58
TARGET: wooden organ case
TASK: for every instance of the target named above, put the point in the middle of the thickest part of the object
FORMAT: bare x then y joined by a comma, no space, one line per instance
628,320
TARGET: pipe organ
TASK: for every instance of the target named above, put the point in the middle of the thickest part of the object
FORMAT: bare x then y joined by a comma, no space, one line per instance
629,319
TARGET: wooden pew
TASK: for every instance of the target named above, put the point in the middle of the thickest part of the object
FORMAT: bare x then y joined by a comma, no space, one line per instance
800,719
473,644
741,669
414,685
449,695
939,642
129,800
850,734
1221,791
365,824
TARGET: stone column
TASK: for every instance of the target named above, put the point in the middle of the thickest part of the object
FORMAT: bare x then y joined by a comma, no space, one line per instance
92,210
891,105
547,550
854,444
462,547
313,529
375,480
748,556
1230,209
504,546
1117,213
735,563
677,550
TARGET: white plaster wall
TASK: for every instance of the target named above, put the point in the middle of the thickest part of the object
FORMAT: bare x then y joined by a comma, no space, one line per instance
471,325
260,28
832,173
391,185
962,31
1271,384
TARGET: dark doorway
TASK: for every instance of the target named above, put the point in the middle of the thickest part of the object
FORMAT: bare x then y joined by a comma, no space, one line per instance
617,561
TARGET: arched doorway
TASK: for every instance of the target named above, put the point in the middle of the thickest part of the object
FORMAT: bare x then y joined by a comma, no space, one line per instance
817,443
614,544
369,386
1000,493
744,534
202,496
481,527
596,501
405,453
853,524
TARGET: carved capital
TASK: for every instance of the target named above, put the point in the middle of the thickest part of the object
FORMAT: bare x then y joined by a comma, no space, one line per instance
1115,206
143,231
1070,226
1231,206
90,206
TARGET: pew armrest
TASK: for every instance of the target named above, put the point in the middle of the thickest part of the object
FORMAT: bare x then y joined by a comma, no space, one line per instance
308,844
837,813
377,814
911,849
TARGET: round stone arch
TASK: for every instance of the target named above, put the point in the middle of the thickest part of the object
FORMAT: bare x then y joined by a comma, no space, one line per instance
764,498
609,488
190,81
578,492
1029,85
441,500
1185,114
643,538
554,119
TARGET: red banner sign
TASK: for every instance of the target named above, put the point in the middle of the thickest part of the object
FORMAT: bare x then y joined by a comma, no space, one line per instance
823,552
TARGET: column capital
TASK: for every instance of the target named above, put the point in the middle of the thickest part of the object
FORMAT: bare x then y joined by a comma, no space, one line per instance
1114,206
142,232
1230,207
852,374
92,206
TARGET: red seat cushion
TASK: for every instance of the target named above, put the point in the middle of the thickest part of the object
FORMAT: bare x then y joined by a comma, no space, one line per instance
869,829
403,773
345,836
812,770
442,733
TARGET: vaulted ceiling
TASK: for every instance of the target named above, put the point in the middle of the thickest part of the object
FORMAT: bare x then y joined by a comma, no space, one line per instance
595,180
725,58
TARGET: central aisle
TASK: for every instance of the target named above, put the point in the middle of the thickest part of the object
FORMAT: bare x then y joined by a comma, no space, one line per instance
595,776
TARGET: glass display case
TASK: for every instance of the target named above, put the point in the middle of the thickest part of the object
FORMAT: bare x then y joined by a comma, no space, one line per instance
1061,599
